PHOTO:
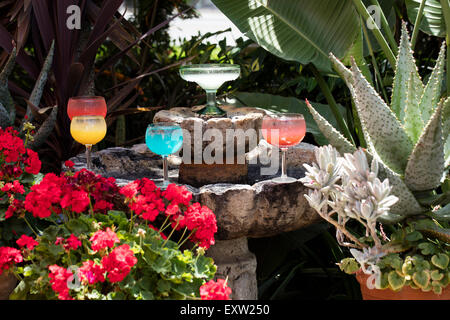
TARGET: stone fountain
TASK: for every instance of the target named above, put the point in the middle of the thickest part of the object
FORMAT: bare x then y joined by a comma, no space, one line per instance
233,181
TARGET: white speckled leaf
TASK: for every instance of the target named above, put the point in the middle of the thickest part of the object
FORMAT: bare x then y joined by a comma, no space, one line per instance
446,130
407,203
342,70
380,124
432,92
412,123
426,163
334,137
405,66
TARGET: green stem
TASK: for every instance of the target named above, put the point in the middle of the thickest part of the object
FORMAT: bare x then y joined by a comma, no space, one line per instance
417,24
190,234
164,226
29,225
333,105
374,62
131,221
376,32
446,11
171,233
386,28
184,232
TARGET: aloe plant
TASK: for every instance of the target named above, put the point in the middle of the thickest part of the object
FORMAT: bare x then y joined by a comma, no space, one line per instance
7,107
409,138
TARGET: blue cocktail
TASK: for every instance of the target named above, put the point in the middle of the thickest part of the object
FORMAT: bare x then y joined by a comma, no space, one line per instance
164,138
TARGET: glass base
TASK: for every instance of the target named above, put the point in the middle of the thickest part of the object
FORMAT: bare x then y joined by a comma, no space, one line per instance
284,180
211,110
162,184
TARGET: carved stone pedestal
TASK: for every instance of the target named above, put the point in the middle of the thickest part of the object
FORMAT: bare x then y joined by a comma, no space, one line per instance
235,262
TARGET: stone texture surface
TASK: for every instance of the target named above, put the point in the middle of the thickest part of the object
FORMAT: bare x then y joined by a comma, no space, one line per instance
235,262
7,284
236,118
257,208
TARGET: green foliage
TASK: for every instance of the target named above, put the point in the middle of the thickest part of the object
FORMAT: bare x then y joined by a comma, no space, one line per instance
162,271
8,113
412,160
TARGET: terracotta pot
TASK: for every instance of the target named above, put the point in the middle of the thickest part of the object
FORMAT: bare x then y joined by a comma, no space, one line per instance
7,284
406,293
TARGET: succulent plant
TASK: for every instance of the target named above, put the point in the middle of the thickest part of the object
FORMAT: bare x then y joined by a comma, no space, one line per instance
409,139
7,107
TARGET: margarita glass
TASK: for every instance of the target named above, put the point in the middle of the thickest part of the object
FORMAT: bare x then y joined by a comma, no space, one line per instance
164,138
283,130
87,126
210,77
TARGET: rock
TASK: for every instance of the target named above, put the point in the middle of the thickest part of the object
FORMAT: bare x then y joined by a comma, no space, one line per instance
237,264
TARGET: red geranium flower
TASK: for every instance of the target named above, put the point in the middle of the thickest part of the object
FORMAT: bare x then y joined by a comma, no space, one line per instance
26,241
91,272
69,164
212,290
9,256
33,164
103,239
119,262
59,277
203,220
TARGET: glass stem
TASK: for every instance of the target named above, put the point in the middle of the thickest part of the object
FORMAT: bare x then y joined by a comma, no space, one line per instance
165,170
283,163
211,98
88,156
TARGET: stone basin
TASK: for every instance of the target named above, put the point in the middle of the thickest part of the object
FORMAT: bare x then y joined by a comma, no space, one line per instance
260,208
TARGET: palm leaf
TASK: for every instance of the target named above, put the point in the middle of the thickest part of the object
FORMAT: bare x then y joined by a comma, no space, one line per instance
302,30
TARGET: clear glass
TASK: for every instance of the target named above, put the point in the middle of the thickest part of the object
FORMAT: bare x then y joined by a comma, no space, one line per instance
88,130
86,106
210,77
164,138
284,130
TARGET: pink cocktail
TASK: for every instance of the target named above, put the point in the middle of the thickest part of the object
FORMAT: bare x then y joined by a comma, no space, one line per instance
284,130
86,106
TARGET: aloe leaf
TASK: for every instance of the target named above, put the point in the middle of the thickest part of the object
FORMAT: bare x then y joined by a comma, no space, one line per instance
432,92
343,71
5,96
404,67
45,130
4,117
412,123
38,89
334,137
407,203
380,124
426,163
446,131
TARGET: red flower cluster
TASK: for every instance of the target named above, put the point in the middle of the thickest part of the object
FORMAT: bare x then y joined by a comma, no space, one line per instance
91,272
9,256
119,262
14,153
26,241
146,200
103,239
71,243
203,220
74,193
212,290
59,277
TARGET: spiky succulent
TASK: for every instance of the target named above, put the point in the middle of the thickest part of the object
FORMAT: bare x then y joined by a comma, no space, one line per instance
8,109
409,139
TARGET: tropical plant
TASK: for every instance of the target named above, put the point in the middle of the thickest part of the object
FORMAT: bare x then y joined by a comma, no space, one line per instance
8,107
408,146
35,25
346,189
